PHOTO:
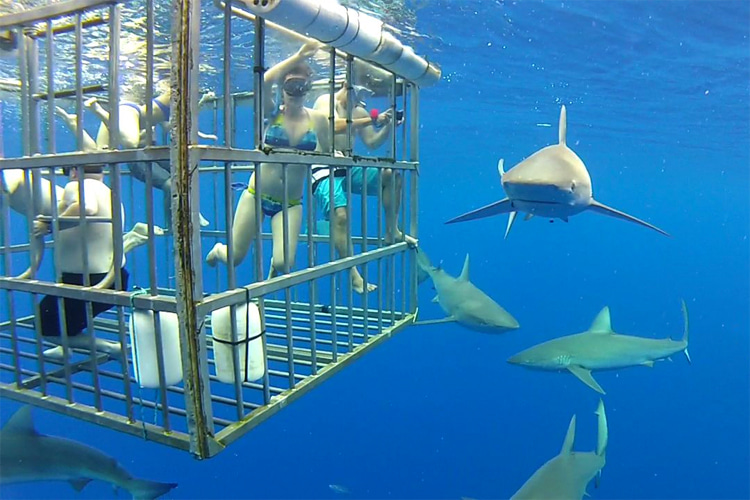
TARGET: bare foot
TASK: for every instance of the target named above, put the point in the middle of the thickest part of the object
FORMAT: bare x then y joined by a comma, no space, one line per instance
358,284
400,236
215,254
138,236
70,120
54,353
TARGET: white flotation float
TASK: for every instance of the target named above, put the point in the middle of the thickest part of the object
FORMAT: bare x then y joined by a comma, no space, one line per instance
143,348
249,344
354,32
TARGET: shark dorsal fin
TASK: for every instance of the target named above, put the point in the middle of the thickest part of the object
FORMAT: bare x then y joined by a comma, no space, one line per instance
563,132
570,438
602,323
21,423
465,271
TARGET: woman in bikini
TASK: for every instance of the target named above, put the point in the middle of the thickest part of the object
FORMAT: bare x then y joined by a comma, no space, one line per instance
291,126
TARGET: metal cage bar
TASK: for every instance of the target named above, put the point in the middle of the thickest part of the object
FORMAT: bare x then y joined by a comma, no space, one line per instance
312,324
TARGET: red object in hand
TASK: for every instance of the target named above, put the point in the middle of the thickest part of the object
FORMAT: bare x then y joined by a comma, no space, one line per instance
374,113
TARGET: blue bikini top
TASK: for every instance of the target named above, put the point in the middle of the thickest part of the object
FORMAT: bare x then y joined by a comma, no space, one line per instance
277,136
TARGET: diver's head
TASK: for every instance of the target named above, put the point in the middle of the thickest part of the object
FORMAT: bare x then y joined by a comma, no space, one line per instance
297,83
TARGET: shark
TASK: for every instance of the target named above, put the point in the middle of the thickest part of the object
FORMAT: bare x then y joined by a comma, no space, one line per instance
566,476
553,182
463,302
26,456
600,348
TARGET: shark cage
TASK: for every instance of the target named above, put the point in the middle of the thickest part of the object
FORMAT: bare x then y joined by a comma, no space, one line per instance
214,321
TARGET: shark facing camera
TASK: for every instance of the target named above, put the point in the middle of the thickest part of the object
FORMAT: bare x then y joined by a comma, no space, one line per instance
553,182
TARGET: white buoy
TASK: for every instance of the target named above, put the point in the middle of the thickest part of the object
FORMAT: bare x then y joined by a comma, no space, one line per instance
250,352
143,348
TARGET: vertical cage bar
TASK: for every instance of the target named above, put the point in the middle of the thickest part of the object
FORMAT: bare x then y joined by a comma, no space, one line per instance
414,206
259,112
50,42
188,265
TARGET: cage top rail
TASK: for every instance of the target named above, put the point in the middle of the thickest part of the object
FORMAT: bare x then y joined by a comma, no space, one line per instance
48,12
350,30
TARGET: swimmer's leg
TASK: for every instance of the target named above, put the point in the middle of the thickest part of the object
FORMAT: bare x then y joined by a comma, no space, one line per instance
71,120
391,196
278,264
340,228
244,231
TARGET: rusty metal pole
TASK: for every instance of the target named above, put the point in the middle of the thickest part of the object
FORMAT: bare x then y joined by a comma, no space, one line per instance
185,210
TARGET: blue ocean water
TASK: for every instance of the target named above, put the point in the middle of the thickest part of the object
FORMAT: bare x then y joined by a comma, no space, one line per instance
657,100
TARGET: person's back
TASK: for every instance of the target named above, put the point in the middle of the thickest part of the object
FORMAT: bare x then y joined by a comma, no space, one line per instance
98,242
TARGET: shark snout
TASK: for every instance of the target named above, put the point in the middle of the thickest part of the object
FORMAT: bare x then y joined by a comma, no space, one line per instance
516,359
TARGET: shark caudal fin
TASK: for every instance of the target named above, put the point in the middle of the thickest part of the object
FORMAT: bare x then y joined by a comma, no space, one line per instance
499,207
686,332
148,490
602,437
424,262
611,212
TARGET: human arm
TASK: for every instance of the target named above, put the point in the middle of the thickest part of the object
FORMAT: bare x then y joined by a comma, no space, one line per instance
276,72
373,138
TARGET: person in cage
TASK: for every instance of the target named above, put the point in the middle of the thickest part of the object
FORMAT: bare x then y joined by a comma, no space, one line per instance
291,126
372,137
72,247
132,125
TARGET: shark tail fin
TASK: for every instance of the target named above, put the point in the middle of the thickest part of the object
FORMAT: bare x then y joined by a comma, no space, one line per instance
603,432
423,261
686,332
605,210
570,438
602,437
148,490
496,208
563,131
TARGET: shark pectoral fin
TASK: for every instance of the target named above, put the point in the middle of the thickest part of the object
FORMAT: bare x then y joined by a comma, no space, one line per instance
584,376
648,363
449,319
605,210
499,207
511,220
80,483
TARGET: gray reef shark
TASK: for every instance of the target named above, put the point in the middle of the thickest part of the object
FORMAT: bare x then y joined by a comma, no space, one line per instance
600,348
565,476
463,302
553,182
27,456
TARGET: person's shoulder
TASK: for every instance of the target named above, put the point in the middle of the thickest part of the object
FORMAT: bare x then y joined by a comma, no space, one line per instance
322,100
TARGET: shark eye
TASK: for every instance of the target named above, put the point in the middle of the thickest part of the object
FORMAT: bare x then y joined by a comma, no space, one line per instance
573,186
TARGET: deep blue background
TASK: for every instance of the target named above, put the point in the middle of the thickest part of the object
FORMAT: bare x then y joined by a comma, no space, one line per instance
657,97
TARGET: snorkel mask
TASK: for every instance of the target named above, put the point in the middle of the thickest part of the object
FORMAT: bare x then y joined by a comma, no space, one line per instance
297,86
